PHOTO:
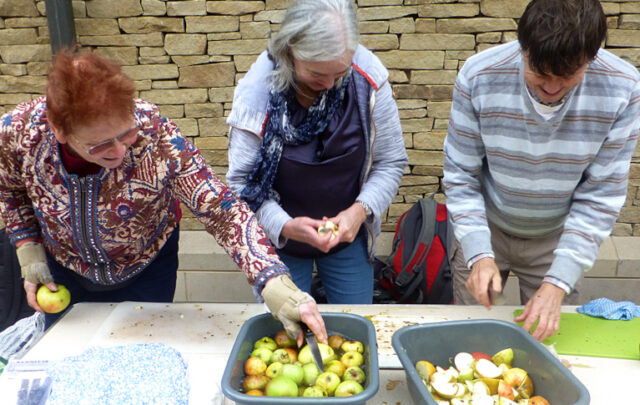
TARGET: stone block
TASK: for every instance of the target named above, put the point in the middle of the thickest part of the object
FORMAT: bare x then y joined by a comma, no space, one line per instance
13,99
501,8
213,126
210,75
244,62
24,22
435,92
96,26
253,30
189,60
369,3
450,64
185,44
402,59
18,8
178,96
411,103
441,124
121,54
212,142
439,109
150,39
148,51
425,157
628,250
433,76
398,76
606,264
212,23
385,12
17,36
632,7
113,8
238,47
234,7
373,27
221,94
277,4
412,113
142,84
171,111
153,72
612,22
610,8
415,180
624,38
154,7
629,21
413,190
78,8
417,125
209,110
402,25
25,53
489,37
273,16
474,25
215,157
184,8
223,36
448,10
631,55
229,286
23,84
437,41
163,84
143,25
188,126
427,170
37,68
13,70
432,140
612,288
379,41
425,25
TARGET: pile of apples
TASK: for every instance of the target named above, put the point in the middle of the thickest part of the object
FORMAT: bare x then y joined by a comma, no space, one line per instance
276,368
479,379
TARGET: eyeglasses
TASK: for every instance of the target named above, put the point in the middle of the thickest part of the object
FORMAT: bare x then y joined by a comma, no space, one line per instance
127,136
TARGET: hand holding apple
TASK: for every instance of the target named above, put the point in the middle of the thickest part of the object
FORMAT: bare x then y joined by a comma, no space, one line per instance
53,301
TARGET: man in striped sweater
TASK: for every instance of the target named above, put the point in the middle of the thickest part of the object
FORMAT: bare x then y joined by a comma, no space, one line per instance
537,159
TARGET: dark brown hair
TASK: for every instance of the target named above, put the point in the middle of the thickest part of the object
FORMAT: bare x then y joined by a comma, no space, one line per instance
85,88
560,35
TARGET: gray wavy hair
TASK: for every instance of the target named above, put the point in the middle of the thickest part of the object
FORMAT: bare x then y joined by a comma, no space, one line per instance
312,30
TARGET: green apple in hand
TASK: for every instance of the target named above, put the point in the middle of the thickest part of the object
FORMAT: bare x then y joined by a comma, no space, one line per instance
53,302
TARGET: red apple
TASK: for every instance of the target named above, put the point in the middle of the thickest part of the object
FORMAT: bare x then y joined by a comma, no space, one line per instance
254,365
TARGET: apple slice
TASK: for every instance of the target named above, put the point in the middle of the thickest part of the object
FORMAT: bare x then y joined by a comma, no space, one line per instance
506,401
480,388
463,361
482,400
504,356
442,377
485,368
444,389
505,390
425,369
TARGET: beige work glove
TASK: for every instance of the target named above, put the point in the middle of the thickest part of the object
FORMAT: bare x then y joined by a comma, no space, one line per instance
283,297
33,263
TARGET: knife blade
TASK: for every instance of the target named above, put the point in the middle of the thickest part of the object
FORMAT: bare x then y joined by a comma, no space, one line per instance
313,345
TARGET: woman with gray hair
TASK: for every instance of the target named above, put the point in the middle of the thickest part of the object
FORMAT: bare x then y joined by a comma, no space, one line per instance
315,137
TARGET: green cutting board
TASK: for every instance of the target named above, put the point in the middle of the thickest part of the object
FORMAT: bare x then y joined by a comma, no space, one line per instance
584,335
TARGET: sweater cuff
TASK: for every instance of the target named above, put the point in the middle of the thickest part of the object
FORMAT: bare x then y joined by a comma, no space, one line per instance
565,270
476,243
267,274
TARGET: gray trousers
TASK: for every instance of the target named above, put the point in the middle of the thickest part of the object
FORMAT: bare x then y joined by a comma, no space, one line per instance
529,259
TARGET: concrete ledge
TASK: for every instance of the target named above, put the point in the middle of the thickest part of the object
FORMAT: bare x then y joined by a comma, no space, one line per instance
207,273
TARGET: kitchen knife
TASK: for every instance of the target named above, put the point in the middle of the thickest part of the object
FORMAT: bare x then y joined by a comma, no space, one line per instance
313,345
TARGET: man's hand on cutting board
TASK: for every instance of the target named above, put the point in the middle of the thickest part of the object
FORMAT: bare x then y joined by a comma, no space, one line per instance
289,305
544,306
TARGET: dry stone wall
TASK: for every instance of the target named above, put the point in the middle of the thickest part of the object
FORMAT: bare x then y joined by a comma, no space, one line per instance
186,56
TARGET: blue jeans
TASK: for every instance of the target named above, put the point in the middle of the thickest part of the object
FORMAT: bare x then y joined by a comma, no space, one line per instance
156,283
347,276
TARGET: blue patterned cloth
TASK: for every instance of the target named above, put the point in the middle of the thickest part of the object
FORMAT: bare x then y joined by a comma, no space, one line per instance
278,132
608,309
131,374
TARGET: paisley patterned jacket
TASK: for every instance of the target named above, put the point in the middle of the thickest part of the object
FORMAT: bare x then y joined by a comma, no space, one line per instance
108,227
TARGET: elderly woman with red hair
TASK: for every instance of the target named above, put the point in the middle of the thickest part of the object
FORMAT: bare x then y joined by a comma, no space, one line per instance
91,181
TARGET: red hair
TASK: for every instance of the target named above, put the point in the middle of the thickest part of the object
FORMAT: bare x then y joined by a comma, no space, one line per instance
85,88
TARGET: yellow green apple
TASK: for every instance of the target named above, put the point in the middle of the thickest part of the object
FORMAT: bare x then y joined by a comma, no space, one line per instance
53,302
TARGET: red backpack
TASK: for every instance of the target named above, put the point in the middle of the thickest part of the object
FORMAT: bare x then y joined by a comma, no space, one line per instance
417,271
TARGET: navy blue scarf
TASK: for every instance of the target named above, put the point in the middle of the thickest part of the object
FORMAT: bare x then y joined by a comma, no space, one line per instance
278,132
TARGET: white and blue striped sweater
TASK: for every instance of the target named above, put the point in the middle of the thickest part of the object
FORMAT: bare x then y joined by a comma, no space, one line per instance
506,164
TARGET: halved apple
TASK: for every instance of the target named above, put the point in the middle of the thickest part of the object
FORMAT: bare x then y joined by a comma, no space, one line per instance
425,369
463,361
515,377
504,356
505,390
486,368
445,390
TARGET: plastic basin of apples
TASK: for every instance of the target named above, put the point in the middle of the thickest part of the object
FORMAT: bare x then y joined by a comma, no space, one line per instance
350,326
438,342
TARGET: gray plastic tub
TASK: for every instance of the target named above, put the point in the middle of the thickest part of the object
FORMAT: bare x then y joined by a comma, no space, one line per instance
437,342
354,327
